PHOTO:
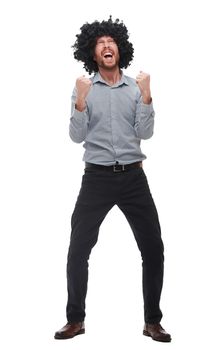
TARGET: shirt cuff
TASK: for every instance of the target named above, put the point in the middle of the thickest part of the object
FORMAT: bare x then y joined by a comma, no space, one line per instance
79,116
147,108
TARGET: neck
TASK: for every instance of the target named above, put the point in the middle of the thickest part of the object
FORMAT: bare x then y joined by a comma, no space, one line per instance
110,76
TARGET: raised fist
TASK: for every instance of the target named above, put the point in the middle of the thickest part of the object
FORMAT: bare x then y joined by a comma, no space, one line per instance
83,85
143,82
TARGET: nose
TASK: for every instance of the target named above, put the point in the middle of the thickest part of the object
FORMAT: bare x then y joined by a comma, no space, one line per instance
106,44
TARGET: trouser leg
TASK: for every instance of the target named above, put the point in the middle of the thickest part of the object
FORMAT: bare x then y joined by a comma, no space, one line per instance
138,206
90,210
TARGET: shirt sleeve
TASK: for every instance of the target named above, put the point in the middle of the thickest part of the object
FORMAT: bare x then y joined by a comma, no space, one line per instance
144,120
78,122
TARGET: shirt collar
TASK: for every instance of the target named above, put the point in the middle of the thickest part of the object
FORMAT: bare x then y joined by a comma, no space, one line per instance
98,79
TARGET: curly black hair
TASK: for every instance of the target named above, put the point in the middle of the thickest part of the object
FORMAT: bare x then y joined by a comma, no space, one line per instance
90,32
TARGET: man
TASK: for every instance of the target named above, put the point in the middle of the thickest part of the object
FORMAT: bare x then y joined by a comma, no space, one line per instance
112,112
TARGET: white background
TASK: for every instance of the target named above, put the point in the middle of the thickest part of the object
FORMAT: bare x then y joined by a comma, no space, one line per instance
177,42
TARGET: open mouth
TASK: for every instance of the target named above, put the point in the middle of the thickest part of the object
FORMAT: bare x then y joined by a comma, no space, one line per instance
108,55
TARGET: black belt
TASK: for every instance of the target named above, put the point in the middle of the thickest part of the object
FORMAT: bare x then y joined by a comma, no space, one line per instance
116,168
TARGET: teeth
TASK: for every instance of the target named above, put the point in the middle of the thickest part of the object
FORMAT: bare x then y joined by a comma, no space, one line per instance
108,54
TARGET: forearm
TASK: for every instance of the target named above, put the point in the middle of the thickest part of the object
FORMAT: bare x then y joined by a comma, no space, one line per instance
78,127
79,120
144,122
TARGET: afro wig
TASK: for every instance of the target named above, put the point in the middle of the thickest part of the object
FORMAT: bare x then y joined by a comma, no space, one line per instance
86,42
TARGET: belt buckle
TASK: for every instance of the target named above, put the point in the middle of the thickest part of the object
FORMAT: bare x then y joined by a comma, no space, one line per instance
121,168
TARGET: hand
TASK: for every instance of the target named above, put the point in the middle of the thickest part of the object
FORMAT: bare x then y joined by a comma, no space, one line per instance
83,86
143,82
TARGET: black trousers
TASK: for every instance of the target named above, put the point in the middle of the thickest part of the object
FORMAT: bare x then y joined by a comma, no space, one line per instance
100,191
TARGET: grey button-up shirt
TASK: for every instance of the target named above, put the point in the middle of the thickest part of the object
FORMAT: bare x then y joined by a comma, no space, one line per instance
113,123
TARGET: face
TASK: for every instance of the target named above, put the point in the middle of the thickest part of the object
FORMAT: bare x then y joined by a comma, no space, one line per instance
106,53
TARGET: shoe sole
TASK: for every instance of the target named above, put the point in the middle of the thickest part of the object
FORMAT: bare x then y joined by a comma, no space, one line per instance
160,340
59,337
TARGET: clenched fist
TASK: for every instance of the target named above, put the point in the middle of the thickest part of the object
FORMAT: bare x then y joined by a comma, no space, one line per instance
143,82
83,85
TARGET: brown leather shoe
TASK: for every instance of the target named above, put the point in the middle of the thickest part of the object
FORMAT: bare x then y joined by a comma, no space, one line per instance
156,332
70,330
